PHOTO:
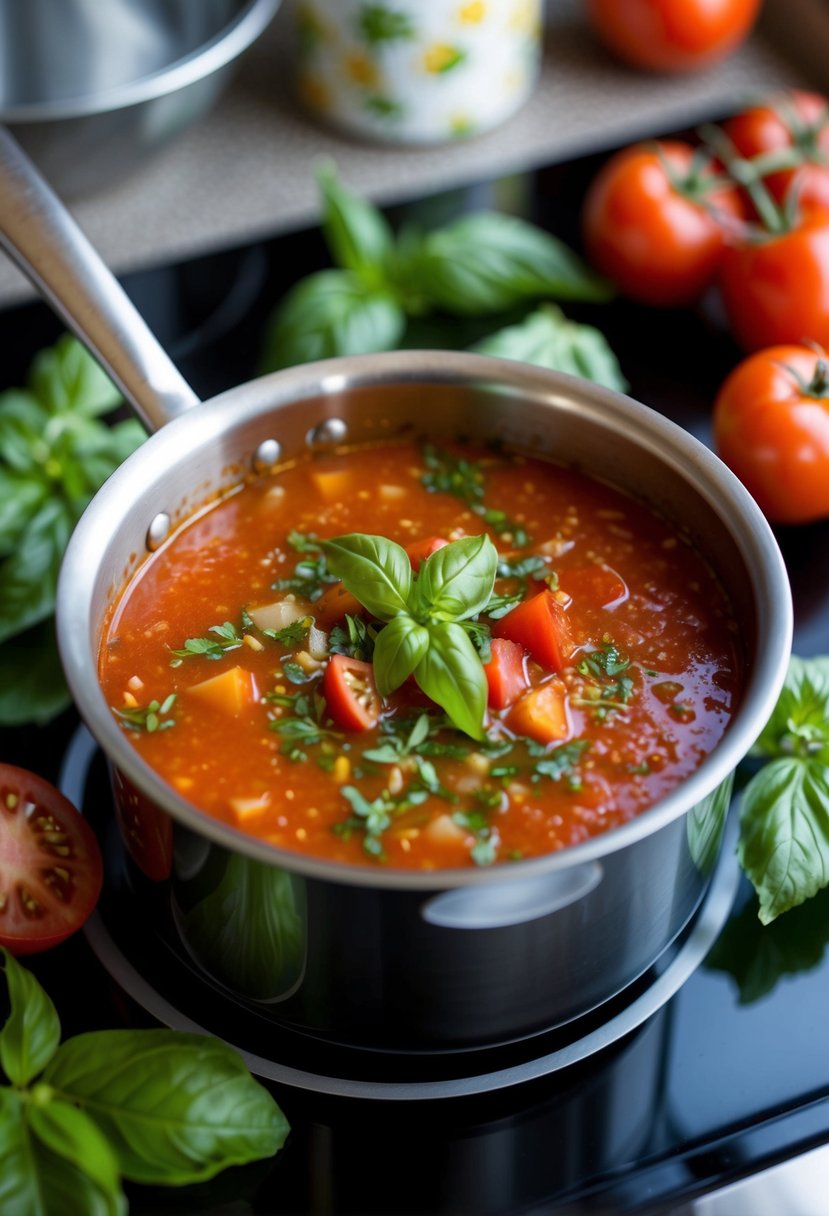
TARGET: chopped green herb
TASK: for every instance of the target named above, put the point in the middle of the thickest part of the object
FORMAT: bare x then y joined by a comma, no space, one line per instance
296,632
449,474
354,638
560,762
227,637
610,688
297,674
311,575
150,718
484,851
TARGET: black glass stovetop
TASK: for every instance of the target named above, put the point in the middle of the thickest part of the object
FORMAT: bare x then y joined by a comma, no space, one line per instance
731,1075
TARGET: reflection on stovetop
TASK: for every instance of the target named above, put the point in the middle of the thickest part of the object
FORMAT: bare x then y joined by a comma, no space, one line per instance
731,1074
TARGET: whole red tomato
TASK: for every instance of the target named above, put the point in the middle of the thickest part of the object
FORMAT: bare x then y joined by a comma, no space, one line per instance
798,121
672,35
653,225
771,426
775,286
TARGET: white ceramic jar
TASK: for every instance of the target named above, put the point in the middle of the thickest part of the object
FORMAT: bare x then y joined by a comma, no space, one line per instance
417,71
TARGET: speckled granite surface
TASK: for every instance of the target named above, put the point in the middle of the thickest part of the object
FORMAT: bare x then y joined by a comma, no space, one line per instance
246,170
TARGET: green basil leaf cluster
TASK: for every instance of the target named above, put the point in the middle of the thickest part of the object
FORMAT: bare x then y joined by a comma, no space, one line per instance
424,615
548,339
784,818
54,454
478,266
152,1106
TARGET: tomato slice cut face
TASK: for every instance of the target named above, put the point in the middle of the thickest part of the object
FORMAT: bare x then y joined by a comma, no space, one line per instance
350,693
50,864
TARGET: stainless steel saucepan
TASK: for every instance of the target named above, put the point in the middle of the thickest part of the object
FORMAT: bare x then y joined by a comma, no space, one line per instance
363,954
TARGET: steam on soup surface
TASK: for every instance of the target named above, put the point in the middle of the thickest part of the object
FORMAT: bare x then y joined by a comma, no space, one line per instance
600,669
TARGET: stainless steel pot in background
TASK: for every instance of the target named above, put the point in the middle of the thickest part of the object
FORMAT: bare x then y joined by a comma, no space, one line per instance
90,87
364,954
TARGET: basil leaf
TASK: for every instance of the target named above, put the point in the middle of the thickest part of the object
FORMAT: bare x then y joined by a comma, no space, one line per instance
548,339
250,928
21,496
331,313
705,825
33,1181
20,1190
65,378
70,1133
356,232
31,1033
175,1108
398,650
451,674
456,581
784,833
32,684
758,956
28,579
799,724
375,570
486,262
22,427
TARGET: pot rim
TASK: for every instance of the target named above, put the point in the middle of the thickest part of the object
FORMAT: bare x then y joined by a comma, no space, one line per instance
673,445
244,26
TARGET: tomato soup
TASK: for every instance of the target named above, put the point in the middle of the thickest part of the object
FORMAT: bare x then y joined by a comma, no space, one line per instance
420,657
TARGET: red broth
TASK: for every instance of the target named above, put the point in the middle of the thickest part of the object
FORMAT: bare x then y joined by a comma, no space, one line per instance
649,675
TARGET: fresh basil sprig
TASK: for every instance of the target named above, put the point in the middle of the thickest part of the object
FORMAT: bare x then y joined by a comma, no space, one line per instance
153,1106
481,265
424,634
54,454
548,339
784,819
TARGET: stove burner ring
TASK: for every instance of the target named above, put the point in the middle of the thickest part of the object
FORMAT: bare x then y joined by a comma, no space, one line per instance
705,928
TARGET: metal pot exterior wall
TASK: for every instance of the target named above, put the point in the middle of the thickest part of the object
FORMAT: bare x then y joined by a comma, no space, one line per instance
368,954
408,970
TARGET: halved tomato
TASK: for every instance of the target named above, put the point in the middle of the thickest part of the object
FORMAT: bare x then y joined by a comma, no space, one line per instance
50,864
351,693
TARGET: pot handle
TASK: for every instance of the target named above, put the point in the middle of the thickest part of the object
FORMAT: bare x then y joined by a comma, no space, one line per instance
514,902
40,235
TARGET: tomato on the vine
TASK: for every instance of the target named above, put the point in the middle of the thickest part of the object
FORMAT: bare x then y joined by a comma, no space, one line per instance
775,285
771,427
796,121
672,35
50,864
654,221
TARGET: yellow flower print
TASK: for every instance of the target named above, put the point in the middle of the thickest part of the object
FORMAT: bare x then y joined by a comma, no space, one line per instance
440,57
473,13
525,17
362,70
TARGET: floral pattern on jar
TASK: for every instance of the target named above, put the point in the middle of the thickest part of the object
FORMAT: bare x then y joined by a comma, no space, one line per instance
417,71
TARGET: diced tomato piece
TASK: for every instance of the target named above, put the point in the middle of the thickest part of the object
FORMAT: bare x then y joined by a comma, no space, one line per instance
505,673
542,714
419,550
350,693
333,605
230,692
540,625
594,586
